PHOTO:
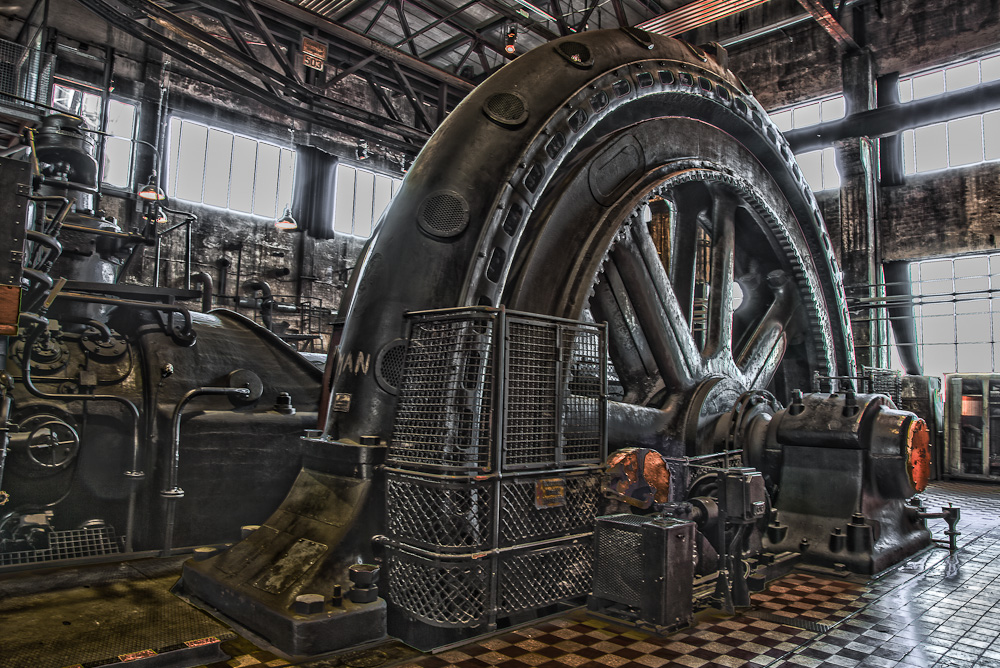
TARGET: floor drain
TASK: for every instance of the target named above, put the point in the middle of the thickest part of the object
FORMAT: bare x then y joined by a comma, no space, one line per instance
797,622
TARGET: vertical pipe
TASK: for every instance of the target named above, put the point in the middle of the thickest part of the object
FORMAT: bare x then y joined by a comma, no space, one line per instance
187,256
109,74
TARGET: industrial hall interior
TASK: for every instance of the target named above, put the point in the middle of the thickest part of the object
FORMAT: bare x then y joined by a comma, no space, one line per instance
499,333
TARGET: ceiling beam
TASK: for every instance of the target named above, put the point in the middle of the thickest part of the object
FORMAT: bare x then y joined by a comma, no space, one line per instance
829,23
694,15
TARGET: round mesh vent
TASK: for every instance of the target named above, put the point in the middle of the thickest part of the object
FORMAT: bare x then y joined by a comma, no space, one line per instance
577,54
506,108
444,213
389,365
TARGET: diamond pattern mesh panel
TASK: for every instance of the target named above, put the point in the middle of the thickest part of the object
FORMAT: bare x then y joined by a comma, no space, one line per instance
445,412
67,545
441,516
582,361
618,571
536,578
521,521
439,593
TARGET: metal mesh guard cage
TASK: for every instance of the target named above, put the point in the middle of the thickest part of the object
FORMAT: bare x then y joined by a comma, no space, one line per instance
618,567
551,376
445,411
24,73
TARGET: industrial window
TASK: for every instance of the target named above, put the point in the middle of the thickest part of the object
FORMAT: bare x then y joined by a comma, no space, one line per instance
818,167
964,141
226,170
118,143
956,316
362,196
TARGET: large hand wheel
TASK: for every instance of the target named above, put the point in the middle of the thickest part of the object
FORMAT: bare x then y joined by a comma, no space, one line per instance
621,176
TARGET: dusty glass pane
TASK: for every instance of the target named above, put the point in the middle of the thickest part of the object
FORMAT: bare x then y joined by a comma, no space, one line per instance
364,200
972,327
962,76
805,115
973,357
174,135
343,212
191,161
938,359
965,141
990,68
286,177
121,119
833,109
831,176
931,144
241,182
265,190
812,168
905,90
117,162
782,119
909,157
938,329
991,135
219,160
927,85
383,193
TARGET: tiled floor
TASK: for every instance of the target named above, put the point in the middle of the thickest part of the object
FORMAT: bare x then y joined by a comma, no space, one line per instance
935,609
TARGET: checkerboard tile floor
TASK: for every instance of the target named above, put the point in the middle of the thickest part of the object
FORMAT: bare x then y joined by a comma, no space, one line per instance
936,610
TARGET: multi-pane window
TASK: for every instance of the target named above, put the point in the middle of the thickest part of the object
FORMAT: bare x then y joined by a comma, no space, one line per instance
121,126
957,319
964,141
362,196
818,167
219,168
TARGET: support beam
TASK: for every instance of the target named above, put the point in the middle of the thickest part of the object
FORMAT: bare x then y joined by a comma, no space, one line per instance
272,46
895,118
830,24
418,108
332,81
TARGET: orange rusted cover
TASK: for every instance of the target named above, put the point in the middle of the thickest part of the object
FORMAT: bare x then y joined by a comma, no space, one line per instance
638,476
10,309
918,454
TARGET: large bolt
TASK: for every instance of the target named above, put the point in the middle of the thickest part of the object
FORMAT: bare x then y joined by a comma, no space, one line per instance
308,604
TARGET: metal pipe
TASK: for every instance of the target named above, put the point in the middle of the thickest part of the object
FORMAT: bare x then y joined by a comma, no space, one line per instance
894,118
207,290
186,333
266,299
124,236
134,474
101,327
171,491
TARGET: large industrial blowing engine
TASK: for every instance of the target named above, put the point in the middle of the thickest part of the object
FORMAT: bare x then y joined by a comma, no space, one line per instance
571,369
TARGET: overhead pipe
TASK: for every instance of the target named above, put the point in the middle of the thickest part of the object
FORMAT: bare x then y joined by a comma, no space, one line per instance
207,290
895,118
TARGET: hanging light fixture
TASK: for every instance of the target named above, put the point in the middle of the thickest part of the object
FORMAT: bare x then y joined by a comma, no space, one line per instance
152,192
286,222
509,46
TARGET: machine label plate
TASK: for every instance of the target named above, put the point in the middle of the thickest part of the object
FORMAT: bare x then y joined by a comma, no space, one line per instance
550,493
342,402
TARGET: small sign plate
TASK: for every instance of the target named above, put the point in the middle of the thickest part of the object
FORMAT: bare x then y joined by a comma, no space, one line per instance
313,54
550,493
342,402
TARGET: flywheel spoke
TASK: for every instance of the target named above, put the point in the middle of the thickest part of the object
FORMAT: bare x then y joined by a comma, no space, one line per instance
627,345
690,204
658,313
760,354
720,306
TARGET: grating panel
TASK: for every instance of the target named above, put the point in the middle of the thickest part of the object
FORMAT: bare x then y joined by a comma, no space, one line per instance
67,545
532,394
538,577
522,521
439,515
582,357
24,73
439,593
618,571
445,410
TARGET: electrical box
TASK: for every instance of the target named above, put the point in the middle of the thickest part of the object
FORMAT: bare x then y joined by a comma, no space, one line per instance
972,426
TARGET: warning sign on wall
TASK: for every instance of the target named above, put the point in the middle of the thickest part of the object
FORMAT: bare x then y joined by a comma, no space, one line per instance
313,54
